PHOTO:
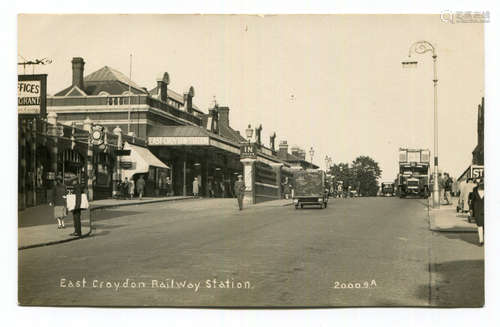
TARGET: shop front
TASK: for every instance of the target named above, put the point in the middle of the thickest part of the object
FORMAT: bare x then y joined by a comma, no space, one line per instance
193,152
142,163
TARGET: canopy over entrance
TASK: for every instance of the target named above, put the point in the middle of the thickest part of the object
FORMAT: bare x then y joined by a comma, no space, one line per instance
139,161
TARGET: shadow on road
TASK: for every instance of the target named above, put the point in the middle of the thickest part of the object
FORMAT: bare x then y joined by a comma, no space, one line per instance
106,227
471,238
455,284
100,215
100,233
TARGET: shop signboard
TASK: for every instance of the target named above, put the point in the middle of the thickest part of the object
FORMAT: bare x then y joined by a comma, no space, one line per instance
125,164
248,151
477,171
32,95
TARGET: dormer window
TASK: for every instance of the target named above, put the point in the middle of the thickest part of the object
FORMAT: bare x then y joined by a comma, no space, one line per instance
103,93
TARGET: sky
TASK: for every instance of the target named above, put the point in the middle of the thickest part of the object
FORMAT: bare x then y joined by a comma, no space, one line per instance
331,82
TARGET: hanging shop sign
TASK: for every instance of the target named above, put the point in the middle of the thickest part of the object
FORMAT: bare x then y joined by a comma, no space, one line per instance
32,94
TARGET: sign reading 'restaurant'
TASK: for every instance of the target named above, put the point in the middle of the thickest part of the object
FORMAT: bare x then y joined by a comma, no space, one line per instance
31,94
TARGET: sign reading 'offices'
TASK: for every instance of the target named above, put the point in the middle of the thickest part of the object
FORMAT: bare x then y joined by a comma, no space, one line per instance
32,94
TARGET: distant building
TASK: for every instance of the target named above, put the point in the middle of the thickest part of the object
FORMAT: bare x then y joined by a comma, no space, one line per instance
478,153
296,159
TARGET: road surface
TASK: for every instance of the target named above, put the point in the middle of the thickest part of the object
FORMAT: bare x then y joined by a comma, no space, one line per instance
356,252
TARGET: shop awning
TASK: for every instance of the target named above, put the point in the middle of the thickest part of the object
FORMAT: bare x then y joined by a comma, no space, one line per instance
140,159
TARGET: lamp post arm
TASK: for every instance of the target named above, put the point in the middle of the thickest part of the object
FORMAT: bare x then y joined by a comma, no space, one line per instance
422,47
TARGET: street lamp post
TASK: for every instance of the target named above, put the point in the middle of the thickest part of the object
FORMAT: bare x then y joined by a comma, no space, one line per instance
421,47
249,133
328,163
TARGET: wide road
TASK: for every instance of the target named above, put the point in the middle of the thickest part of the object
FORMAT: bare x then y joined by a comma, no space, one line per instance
356,252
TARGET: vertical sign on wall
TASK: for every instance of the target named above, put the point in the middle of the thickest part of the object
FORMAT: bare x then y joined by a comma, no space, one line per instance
32,95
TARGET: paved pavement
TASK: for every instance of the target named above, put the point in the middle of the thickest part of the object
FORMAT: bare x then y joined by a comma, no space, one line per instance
37,227
446,219
356,252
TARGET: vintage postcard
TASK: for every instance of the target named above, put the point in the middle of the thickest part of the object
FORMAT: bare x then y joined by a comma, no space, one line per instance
275,161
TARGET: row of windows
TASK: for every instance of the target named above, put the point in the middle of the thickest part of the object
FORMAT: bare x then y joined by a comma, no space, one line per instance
115,101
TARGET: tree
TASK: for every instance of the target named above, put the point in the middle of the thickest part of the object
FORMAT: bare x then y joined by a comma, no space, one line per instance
361,175
366,172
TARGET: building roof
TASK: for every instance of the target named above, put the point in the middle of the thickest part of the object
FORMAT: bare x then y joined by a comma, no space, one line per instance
229,133
106,79
288,157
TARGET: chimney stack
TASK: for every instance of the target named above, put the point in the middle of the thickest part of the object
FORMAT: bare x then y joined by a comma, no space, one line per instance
188,100
223,115
162,87
77,65
298,152
283,149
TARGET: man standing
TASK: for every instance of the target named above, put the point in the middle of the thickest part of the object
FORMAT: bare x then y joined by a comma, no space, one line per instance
239,190
125,186
141,183
78,189
447,188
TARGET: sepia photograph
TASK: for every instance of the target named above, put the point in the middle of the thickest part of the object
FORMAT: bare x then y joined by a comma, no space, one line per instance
251,161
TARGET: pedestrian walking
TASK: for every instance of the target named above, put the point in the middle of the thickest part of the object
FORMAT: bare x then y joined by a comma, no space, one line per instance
169,186
464,196
80,204
210,189
461,191
222,189
196,187
239,190
441,187
59,201
454,188
447,188
477,204
140,185
125,186
131,188
286,188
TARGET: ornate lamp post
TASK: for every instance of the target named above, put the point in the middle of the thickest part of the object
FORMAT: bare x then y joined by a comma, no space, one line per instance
421,47
249,133
328,163
311,153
